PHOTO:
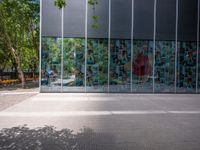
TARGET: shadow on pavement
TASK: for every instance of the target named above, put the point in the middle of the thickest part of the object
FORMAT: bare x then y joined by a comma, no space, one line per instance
48,138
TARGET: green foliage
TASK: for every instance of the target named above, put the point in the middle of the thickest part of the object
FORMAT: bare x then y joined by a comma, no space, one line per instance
95,18
19,29
60,3
92,2
95,24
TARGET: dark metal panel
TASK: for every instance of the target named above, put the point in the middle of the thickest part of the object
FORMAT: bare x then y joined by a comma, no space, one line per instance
102,11
51,19
74,18
121,19
166,20
143,19
187,20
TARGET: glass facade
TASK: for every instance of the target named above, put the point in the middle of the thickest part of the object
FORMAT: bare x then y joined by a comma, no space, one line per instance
165,46
142,66
97,65
123,46
120,59
51,64
187,46
165,66
73,64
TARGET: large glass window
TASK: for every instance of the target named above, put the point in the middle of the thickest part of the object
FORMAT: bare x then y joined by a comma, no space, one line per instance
187,46
74,64
51,64
120,56
165,46
120,46
186,71
74,46
97,47
51,47
123,62
142,65
142,79
97,65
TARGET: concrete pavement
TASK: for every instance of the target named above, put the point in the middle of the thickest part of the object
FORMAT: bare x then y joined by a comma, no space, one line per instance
134,121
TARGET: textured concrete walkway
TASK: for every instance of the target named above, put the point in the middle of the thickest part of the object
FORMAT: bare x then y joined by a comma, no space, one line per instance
131,121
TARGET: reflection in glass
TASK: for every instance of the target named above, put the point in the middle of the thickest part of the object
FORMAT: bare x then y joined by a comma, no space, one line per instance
199,71
73,61
51,64
164,66
120,65
97,65
142,66
186,71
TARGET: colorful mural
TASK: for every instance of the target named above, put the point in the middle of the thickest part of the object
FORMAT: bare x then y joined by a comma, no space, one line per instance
97,65
142,66
119,69
165,66
186,71
120,65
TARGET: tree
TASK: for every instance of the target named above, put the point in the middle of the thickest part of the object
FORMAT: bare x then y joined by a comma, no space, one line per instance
19,29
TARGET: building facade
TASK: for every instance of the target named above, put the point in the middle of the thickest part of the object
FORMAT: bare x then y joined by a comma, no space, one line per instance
123,46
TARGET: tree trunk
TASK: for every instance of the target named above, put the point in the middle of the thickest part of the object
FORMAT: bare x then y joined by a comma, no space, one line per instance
13,50
19,69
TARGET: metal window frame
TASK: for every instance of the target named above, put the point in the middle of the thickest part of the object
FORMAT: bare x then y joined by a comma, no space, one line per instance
40,57
154,43
86,37
132,32
109,34
62,49
176,47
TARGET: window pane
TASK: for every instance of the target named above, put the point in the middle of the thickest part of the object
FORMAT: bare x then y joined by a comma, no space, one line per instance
97,47
97,65
74,65
186,72
74,18
187,46
164,66
142,65
51,47
165,46
120,46
51,19
143,46
120,65
50,66
74,46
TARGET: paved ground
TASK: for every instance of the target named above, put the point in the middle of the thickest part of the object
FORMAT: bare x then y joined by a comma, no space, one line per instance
103,122
9,98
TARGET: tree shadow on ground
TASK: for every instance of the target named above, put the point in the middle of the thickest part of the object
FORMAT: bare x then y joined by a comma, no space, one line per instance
48,138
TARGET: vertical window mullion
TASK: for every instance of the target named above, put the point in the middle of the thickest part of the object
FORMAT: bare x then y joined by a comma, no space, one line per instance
176,48
62,27
154,44
109,30
132,28
40,59
86,16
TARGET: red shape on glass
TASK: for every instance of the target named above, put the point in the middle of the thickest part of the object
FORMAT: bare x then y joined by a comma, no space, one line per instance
141,65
